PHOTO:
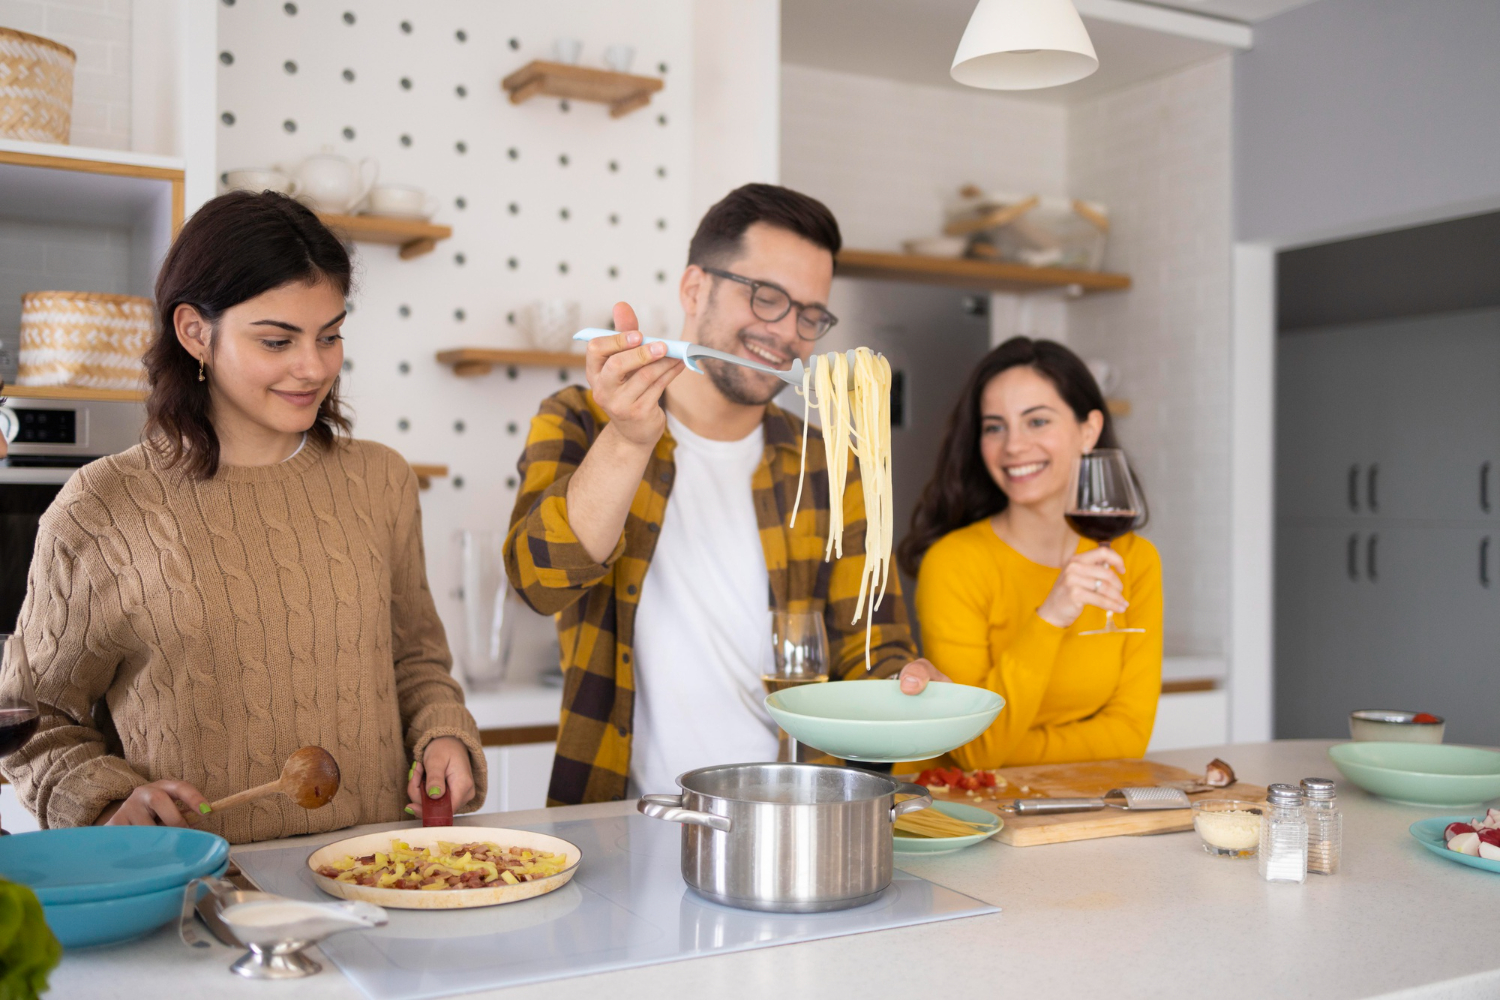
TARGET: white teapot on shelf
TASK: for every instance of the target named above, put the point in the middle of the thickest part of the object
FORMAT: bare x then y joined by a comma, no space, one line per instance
330,183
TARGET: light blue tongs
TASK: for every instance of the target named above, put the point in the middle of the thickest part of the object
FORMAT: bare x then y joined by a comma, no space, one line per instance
690,353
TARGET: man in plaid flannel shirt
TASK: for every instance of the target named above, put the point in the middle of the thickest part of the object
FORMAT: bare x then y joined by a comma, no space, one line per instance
662,671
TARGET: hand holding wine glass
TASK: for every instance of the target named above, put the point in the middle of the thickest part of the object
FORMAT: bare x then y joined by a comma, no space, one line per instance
1102,505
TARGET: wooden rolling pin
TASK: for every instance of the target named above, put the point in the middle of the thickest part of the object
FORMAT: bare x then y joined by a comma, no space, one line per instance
310,778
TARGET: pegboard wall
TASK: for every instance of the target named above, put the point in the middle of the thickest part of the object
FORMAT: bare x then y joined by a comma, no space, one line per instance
548,199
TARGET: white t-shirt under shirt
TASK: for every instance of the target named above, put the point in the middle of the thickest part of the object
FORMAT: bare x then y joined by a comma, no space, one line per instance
703,624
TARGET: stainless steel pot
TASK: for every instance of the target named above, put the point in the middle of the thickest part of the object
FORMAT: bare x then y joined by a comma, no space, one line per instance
790,838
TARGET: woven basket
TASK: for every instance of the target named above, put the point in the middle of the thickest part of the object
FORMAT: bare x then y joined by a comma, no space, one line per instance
85,339
36,87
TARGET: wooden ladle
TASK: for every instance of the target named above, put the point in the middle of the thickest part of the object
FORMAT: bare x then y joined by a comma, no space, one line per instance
310,778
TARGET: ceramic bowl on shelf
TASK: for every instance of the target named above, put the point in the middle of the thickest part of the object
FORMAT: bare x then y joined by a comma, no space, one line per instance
549,324
1421,774
399,201
1379,725
874,721
937,246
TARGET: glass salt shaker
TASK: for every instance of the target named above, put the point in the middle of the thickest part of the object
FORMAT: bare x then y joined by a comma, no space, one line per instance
1325,826
1283,836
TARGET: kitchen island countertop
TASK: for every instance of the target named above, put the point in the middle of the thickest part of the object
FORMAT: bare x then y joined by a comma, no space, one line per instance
1139,917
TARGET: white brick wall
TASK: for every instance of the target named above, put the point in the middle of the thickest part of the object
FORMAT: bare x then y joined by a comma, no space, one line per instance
1158,154
884,155
99,32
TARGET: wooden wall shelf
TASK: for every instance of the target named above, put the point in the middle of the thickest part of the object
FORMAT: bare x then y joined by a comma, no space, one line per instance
468,361
623,92
72,392
427,473
414,236
980,275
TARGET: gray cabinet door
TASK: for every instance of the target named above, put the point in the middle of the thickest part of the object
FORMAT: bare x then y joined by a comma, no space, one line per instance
1439,387
1456,673
1329,417
1344,589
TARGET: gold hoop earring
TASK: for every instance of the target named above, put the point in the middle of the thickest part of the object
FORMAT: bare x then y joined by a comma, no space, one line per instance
201,376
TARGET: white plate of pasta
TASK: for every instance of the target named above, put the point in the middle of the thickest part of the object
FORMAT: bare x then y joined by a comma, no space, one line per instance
444,867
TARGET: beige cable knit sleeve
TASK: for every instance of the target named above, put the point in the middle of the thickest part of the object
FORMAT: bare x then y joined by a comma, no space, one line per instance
65,774
431,701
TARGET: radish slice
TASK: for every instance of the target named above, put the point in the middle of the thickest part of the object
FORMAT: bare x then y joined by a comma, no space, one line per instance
1465,843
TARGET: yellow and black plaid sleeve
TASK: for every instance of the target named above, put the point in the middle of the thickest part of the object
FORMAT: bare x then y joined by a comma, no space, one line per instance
546,563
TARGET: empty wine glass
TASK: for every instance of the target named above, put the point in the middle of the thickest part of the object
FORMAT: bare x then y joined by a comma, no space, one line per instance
799,645
1103,504
18,708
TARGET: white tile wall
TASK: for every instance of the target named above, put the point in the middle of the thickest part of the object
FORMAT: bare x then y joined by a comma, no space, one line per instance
885,155
1158,154
545,213
99,32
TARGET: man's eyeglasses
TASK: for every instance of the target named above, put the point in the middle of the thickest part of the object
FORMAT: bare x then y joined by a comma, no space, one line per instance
770,303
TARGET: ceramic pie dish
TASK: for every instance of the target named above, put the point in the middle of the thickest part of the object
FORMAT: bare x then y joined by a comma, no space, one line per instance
443,899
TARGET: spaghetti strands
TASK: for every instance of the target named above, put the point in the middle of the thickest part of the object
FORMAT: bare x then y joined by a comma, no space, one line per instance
854,401
932,823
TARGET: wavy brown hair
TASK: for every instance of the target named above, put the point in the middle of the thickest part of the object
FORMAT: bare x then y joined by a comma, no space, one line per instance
235,247
961,490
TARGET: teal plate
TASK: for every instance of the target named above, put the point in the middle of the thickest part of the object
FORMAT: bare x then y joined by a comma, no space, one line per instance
110,921
122,860
947,845
873,721
1435,775
1429,833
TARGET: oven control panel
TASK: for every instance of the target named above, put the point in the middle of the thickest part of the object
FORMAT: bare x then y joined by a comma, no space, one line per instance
44,426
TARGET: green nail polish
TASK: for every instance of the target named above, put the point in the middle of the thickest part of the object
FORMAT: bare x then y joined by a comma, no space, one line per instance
434,791
205,808
411,770
410,811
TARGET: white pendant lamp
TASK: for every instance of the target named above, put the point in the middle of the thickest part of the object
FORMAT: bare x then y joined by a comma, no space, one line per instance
1023,45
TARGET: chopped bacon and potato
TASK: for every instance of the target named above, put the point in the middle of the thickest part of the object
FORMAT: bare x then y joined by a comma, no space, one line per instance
447,866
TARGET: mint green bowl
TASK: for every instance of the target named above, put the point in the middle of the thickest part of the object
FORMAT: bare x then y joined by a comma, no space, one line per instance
1421,774
874,721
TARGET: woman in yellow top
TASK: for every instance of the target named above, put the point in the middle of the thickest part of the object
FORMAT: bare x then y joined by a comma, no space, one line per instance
1005,588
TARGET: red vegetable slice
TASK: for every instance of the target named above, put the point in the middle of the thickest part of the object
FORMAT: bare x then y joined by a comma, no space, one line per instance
1424,717
1454,829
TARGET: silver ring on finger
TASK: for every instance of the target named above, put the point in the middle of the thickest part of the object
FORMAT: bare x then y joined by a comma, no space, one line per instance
1098,584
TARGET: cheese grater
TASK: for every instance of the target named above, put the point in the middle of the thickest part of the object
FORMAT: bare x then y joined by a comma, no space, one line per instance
1135,799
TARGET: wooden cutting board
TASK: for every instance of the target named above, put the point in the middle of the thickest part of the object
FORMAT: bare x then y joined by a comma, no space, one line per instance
1091,780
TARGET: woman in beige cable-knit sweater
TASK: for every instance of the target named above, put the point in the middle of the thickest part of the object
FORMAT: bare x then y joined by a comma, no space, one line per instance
246,582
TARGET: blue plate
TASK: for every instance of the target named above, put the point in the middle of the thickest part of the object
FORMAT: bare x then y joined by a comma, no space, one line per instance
110,921
947,845
1429,833
86,864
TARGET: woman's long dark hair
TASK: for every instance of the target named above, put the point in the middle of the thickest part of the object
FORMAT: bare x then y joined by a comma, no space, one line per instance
234,248
961,490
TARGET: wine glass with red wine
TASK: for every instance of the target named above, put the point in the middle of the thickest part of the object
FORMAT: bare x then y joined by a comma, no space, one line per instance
18,710
1103,504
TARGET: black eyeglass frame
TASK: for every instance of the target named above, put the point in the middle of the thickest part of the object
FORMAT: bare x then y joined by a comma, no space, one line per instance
791,303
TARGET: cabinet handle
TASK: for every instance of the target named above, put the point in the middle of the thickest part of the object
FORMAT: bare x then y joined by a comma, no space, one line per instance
1370,488
1370,573
1353,558
1484,561
1484,487
1354,488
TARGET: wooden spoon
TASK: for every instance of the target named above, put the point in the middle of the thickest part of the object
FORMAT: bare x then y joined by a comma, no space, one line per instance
310,778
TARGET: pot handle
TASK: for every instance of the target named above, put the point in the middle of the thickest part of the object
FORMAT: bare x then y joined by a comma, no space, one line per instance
669,808
923,800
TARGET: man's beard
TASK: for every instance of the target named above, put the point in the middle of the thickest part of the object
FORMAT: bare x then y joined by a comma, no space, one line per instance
737,384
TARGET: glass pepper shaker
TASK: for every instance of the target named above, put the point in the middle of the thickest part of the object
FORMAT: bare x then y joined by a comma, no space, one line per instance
1325,826
1283,836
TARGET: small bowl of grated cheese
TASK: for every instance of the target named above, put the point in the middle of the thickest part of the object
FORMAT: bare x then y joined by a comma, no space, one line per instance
1229,828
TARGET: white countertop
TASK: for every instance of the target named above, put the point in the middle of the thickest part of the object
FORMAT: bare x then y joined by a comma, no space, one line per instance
1143,917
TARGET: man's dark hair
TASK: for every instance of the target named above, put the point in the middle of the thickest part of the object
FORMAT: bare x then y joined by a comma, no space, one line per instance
721,233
